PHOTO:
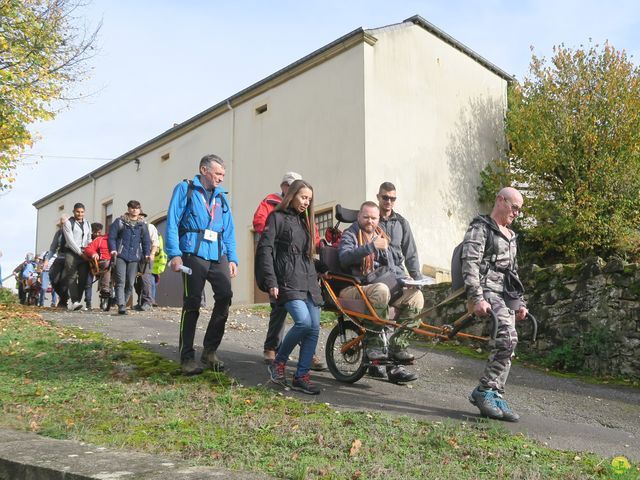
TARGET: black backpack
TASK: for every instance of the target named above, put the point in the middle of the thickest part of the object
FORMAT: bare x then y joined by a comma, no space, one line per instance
457,282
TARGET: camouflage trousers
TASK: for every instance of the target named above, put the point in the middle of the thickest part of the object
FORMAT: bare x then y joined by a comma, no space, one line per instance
497,368
409,304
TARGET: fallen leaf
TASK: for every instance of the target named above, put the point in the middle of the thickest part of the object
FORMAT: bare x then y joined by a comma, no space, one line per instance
355,447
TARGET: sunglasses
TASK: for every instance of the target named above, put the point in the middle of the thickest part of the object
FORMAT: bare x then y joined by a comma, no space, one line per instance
387,198
514,208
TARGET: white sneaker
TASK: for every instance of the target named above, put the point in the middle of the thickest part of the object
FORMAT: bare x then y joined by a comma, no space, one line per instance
75,306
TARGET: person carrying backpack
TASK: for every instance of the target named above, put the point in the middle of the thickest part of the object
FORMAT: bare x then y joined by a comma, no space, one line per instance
55,256
129,243
489,271
77,235
201,243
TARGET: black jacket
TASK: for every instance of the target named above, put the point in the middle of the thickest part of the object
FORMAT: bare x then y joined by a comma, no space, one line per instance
282,258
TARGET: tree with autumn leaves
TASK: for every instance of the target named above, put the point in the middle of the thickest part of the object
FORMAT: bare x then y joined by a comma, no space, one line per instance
43,54
573,130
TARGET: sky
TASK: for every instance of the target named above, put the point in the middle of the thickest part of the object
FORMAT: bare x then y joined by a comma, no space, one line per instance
161,62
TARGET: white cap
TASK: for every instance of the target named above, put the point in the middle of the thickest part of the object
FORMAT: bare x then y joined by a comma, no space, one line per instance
290,177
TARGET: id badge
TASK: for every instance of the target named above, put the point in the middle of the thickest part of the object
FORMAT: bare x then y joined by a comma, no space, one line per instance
210,236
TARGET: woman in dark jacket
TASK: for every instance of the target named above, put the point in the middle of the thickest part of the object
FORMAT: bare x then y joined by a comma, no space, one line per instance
285,268
129,244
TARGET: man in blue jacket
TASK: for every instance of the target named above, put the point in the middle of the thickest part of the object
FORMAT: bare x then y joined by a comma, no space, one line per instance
200,236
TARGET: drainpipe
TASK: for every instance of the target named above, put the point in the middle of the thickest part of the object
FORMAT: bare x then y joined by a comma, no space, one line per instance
93,194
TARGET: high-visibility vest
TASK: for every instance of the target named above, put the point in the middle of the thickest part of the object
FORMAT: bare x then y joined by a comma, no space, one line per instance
160,260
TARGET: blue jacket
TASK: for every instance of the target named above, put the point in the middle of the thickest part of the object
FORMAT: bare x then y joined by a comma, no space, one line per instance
130,239
187,221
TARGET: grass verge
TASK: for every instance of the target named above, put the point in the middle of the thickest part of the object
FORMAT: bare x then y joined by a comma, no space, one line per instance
263,310
72,384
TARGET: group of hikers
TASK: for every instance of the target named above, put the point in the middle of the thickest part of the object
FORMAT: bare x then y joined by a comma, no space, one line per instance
200,243
129,255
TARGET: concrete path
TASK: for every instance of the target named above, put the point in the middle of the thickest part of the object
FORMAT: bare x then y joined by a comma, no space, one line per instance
564,414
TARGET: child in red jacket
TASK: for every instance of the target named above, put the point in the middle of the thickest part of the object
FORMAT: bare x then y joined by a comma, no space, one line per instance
100,258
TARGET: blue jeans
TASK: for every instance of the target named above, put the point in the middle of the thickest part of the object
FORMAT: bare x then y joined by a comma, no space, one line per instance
305,331
43,290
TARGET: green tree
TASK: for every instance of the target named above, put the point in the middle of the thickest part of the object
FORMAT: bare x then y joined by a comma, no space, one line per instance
573,127
43,53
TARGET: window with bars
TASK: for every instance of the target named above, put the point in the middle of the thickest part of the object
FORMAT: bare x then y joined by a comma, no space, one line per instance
324,220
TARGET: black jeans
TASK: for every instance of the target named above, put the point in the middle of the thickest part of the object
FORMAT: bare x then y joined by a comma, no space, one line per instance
58,281
275,332
217,274
76,270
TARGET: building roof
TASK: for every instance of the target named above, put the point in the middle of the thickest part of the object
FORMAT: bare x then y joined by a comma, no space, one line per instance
305,63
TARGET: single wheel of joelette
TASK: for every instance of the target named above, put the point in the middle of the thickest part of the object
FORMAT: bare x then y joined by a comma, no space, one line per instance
348,366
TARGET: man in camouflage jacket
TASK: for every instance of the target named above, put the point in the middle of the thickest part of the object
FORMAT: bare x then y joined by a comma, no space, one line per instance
488,254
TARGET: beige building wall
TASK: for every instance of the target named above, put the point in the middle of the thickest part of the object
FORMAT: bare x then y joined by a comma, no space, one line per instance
433,120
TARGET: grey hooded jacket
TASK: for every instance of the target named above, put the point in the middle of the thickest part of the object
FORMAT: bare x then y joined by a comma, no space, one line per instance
402,245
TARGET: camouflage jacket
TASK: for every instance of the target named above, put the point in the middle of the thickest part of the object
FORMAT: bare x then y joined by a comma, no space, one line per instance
480,268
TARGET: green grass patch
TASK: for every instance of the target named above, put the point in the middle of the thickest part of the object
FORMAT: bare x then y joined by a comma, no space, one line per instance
69,383
7,297
263,310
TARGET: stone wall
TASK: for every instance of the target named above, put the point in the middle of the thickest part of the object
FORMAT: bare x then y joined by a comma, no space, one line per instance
588,315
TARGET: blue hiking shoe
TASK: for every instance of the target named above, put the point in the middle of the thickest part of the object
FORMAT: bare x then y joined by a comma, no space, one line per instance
507,414
486,401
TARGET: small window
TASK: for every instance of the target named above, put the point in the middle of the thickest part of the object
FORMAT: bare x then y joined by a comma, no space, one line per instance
324,220
165,157
261,109
107,209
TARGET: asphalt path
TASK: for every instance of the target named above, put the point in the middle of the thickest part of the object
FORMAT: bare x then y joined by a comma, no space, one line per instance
564,414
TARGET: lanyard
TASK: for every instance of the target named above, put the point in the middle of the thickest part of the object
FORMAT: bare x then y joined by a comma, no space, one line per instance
210,210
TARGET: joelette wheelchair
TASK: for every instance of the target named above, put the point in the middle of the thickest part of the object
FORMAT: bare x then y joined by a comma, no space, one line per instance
345,352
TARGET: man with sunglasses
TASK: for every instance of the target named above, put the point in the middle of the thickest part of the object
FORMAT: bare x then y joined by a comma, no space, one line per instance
396,227
488,259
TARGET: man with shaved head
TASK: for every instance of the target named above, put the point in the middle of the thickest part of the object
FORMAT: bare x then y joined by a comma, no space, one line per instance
488,266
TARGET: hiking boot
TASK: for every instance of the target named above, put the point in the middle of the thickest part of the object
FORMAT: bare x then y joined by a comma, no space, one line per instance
277,373
305,385
376,354
269,356
508,415
190,367
377,371
317,365
399,374
122,310
210,360
402,356
486,402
